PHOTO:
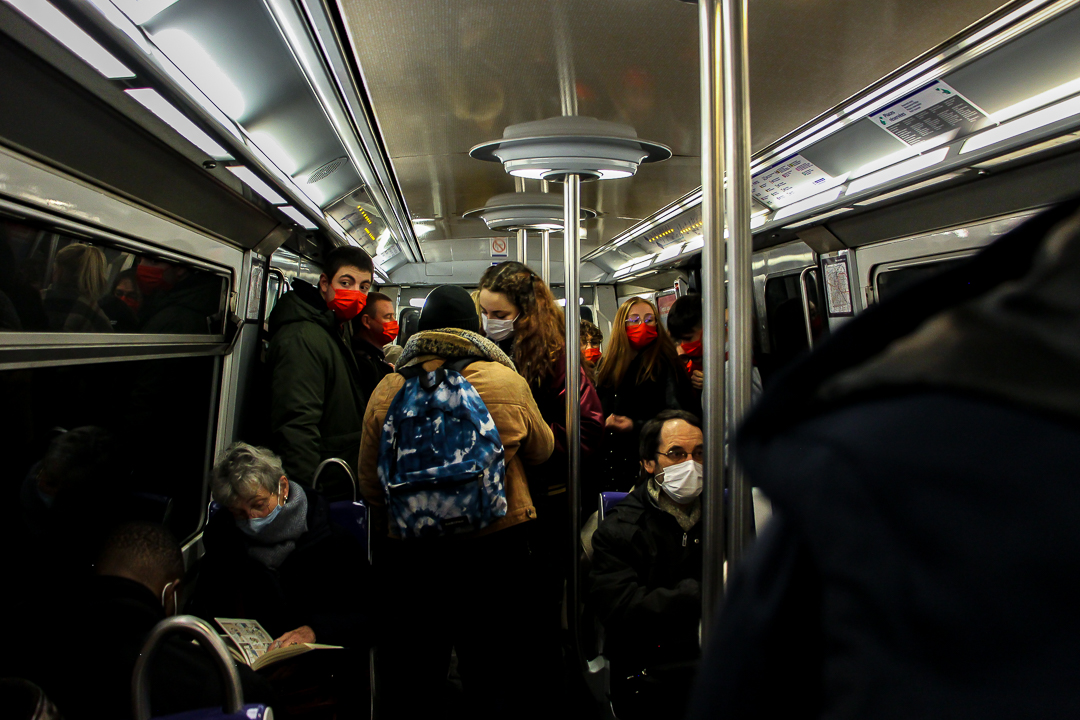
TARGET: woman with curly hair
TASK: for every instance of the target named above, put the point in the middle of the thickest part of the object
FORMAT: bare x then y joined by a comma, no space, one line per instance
519,313
640,375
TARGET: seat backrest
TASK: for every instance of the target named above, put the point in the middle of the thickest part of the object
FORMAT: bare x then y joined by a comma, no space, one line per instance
353,517
609,500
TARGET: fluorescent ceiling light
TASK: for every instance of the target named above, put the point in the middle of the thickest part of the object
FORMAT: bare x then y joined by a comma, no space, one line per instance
336,227
422,229
908,189
301,219
695,243
418,302
179,122
621,272
141,11
270,147
530,173
257,185
669,252
758,221
614,174
1022,125
899,170
808,204
200,67
54,22
886,161
1037,101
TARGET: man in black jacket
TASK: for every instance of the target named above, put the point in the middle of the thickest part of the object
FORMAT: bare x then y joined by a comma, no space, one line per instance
923,554
86,668
645,581
373,328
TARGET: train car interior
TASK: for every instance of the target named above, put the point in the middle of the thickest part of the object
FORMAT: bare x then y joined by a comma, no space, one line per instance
220,151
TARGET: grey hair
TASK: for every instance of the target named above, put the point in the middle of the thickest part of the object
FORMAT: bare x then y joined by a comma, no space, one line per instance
244,469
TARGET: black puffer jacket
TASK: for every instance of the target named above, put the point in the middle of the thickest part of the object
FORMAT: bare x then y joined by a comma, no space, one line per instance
323,583
645,584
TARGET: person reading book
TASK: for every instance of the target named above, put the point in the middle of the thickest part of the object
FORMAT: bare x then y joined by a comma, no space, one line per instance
273,556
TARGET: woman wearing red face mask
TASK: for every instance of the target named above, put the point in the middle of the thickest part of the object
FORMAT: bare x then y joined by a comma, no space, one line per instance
639,376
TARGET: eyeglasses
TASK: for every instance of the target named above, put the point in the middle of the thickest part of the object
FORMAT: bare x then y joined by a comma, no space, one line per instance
638,319
677,454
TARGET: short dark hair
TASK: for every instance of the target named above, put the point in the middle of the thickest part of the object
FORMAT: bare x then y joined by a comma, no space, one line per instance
684,316
143,549
650,434
346,256
373,299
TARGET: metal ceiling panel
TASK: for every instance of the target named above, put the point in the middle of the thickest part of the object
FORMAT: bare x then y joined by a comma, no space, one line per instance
446,75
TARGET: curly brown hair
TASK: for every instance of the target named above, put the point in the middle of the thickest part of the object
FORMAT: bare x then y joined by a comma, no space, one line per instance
538,331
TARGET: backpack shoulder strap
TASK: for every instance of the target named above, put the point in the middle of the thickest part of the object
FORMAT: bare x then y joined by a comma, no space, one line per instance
462,363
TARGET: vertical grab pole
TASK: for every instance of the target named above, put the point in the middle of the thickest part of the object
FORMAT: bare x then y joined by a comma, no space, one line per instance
522,246
545,247
571,257
712,276
737,207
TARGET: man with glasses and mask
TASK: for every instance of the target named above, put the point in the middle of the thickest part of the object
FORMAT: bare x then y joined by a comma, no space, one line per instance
646,575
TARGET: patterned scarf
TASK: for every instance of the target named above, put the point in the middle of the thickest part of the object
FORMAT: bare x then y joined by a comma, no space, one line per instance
272,546
451,344
686,515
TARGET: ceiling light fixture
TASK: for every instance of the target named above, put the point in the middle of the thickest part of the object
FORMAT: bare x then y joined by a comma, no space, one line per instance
71,36
1011,129
301,219
253,182
167,112
556,147
526,210
899,170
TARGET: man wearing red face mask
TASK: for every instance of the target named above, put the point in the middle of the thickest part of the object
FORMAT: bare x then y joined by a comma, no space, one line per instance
686,326
317,400
373,328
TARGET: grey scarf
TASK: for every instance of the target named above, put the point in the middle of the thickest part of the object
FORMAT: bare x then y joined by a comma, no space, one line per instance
278,539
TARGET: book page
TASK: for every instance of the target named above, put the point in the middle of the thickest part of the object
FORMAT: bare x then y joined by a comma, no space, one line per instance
247,635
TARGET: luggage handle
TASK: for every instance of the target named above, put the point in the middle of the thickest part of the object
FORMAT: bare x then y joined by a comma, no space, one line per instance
208,639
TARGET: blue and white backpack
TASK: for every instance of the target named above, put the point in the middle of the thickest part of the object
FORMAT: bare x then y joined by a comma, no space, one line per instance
441,461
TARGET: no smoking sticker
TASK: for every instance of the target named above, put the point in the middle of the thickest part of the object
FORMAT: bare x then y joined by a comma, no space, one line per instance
499,247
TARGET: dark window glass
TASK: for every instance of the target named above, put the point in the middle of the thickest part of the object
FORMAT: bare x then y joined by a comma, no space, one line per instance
891,282
786,319
53,282
86,447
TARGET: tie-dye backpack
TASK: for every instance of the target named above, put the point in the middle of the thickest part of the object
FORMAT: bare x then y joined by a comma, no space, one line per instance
441,460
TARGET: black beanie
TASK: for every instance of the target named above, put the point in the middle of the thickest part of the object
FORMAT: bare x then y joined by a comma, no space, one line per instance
449,306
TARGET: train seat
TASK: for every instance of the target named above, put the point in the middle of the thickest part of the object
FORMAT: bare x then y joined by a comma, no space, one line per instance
351,515
609,500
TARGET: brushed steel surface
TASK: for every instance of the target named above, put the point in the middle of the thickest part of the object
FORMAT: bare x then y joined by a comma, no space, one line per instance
446,75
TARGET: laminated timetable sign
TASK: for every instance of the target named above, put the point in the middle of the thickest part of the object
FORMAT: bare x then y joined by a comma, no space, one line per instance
793,179
930,113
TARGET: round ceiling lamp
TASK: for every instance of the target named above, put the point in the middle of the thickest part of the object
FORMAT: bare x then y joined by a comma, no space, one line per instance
556,147
527,210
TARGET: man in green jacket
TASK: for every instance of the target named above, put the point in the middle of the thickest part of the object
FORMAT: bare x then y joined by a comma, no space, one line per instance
317,404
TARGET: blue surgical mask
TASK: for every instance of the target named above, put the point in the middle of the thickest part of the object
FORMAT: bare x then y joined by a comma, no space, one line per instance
254,526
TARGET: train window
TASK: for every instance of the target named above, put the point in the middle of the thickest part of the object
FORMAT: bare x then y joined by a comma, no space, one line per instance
86,446
50,281
889,281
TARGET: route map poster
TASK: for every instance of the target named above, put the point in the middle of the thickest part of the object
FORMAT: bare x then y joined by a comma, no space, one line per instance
837,286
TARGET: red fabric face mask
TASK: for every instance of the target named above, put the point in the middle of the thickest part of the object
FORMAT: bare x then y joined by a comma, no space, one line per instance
347,304
592,355
641,335
692,349
151,279
389,332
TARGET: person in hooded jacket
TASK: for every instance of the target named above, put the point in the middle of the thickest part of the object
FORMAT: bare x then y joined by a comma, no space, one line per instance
456,593
922,556
316,396
639,376
645,582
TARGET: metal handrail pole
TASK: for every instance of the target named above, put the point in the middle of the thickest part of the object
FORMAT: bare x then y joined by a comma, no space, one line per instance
806,306
712,274
571,254
522,241
738,202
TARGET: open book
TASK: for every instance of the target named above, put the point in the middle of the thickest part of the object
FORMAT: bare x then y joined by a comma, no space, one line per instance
251,643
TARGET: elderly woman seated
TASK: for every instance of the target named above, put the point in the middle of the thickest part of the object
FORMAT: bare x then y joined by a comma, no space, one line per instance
276,558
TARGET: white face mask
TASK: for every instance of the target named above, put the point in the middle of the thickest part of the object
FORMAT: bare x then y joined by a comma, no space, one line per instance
681,482
497,329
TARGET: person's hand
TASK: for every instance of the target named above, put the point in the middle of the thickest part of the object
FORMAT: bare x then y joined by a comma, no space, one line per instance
302,634
697,379
619,423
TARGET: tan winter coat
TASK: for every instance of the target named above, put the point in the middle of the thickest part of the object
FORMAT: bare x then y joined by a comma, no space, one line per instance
525,435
